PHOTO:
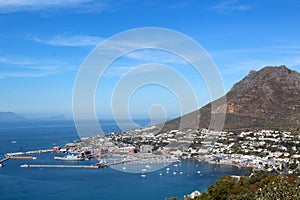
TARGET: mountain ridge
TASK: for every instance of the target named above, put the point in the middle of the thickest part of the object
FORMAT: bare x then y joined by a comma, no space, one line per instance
268,98
10,116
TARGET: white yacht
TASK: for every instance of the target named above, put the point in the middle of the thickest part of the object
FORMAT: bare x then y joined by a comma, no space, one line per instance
69,158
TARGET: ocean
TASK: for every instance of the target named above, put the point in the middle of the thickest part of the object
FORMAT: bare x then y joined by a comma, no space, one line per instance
98,184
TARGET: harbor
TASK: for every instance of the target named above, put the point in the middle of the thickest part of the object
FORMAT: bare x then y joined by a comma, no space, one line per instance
47,183
27,155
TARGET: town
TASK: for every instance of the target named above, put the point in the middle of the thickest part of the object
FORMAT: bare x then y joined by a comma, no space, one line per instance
266,150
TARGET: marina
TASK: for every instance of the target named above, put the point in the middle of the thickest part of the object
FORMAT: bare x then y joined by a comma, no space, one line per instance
27,155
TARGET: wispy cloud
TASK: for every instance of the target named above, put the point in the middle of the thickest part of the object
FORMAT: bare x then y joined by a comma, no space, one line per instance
17,68
164,4
132,70
155,56
256,58
228,6
42,72
60,40
15,61
10,6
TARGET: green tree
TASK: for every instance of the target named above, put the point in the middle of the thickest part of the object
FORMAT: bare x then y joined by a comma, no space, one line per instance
280,189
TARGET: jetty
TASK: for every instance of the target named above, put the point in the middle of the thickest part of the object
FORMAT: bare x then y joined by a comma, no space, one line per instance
21,157
61,166
4,159
27,156
29,152
97,166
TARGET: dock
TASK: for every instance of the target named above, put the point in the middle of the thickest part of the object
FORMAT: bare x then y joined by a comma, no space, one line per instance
27,156
62,166
29,152
21,157
4,159
97,166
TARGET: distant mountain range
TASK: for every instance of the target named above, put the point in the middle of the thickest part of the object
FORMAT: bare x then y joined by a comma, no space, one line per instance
268,98
56,117
11,116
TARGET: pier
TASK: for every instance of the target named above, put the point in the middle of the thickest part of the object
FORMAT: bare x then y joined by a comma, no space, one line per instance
29,152
27,156
97,166
4,159
17,158
21,157
62,166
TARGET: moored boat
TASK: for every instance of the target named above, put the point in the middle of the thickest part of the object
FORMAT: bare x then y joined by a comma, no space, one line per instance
143,175
69,158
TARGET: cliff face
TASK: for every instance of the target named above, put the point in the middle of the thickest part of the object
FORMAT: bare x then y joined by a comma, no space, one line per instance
268,98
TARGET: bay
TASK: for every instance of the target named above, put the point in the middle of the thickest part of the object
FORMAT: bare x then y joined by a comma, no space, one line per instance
106,183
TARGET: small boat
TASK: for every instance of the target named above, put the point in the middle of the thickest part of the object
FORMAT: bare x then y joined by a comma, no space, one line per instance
24,165
168,169
69,158
143,175
14,142
160,174
174,173
198,172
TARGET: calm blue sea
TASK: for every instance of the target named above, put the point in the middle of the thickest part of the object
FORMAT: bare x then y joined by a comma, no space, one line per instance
100,184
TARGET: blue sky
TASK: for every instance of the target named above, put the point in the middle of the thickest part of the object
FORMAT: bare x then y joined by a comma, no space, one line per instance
43,43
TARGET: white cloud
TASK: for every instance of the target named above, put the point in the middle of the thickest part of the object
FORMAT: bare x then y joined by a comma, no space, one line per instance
24,74
121,70
156,56
12,67
16,61
78,40
228,6
10,6
243,60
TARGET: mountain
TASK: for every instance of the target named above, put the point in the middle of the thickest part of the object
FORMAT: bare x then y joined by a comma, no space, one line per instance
10,116
268,98
56,117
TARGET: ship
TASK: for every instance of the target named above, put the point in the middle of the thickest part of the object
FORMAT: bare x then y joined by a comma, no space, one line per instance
69,158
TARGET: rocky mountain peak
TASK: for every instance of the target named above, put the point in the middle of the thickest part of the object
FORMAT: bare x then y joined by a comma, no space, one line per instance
268,98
